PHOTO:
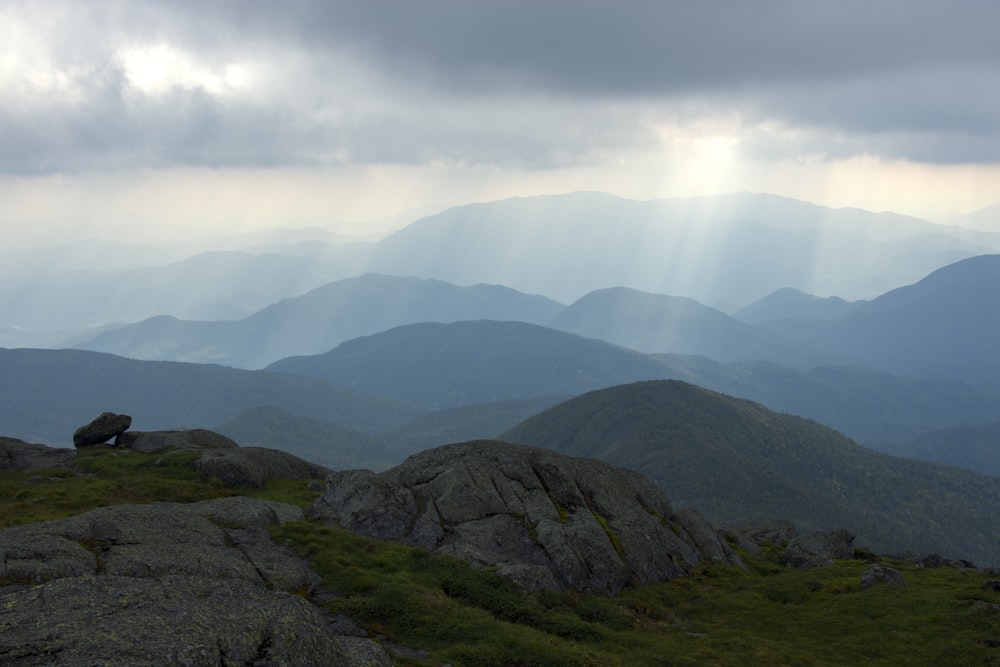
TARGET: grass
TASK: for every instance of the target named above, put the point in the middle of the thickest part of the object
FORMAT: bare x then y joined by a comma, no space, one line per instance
767,615
105,476
770,615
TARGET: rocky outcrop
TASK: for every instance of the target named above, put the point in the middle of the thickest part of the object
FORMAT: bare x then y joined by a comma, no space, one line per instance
803,552
819,549
221,457
756,537
102,429
880,574
26,457
542,519
166,584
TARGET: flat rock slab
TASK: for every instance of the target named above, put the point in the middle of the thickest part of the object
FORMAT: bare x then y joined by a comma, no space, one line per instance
26,457
166,584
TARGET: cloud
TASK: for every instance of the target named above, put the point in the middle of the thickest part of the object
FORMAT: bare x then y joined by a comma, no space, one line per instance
533,85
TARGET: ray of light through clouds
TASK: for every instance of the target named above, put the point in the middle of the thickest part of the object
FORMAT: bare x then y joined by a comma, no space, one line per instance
176,117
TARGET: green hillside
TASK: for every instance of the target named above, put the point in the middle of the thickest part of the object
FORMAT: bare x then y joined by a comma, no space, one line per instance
972,447
737,462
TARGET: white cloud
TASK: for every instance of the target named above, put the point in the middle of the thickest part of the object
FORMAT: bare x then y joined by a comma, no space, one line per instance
156,69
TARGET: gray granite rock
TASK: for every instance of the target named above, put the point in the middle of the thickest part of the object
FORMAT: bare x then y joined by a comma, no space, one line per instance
166,584
26,457
881,574
101,429
543,519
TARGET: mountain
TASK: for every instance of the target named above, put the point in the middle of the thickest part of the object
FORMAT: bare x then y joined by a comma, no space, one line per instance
467,363
974,448
985,219
47,394
449,365
727,250
738,462
659,323
319,320
792,304
340,448
945,325
873,407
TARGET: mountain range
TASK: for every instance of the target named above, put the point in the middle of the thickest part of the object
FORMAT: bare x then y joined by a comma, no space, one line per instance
945,325
878,325
319,320
724,251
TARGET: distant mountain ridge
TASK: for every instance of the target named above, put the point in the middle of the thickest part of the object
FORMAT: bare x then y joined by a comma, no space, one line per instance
462,363
730,249
678,325
945,325
789,303
320,320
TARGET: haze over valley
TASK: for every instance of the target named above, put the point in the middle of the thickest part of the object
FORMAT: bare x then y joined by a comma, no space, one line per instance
884,367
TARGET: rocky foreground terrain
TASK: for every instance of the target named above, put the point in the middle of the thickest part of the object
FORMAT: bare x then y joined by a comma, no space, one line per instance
204,583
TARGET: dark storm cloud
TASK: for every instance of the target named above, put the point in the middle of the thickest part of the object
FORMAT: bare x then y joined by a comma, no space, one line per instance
514,83
651,47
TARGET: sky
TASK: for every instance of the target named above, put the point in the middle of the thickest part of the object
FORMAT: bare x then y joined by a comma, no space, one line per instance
168,118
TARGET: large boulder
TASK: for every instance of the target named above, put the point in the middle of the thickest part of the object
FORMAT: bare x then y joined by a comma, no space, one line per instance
166,584
543,519
102,429
254,466
150,442
25,457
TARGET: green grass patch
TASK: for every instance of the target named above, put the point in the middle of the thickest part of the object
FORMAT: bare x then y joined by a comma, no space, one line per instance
769,615
104,476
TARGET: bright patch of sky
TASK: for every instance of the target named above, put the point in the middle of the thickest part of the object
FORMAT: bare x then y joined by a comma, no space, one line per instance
178,118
